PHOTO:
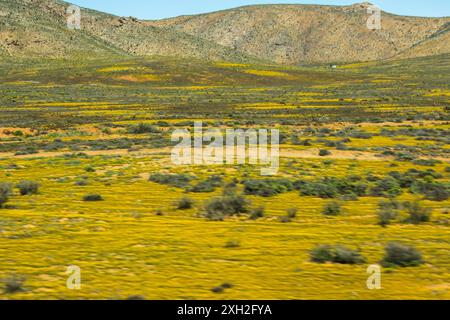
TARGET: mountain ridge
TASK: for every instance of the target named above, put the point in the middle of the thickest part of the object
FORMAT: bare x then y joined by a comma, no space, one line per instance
290,34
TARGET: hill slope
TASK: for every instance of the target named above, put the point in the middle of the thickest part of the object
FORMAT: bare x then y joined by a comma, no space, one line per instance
286,34
37,28
308,33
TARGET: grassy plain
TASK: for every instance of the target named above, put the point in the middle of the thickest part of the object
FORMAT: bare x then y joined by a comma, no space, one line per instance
71,127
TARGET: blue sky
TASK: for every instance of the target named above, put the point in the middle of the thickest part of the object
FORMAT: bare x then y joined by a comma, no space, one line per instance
158,9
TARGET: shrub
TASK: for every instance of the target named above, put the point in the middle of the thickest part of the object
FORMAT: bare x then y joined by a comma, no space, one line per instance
387,211
208,185
292,213
318,189
435,191
28,187
267,188
14,284
5,192
336,254
143,128
257,213
332,208
89,169
174,180
417,213
93,197
220,207
230,189
426,162
397,254
386,216
185,203
387,187
81,183
232,244
217,289
285,219
324,152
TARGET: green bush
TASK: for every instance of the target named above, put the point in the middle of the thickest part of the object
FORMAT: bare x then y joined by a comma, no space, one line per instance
318,189
397,254
14,284
232,244
5,192
292,212
267,188
174,180
185,203
93,197
336,254
324,152
417,213
208,185
436,191
221,207
387,211
332,208
387,187
28,187
257,213
143,128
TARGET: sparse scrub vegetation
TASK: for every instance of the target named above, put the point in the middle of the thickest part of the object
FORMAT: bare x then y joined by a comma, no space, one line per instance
220,207
397,254
337,254
332,208
27,187
5,192
185,203
92,197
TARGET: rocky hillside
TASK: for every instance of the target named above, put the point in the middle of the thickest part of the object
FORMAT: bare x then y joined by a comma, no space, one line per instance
287,34
294,34
38,28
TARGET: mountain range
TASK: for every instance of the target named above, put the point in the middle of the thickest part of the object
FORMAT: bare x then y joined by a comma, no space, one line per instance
283,34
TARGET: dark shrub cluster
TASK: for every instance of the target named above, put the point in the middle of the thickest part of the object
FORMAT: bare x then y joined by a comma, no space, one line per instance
336,254
185,203
434,191
174,180
332,208
324,152
143,128
267,188
330,187
387,211
93,197
397,254
257,213
5,192
14,284
387,187
221,207
28,187
417,213
407,179
208,185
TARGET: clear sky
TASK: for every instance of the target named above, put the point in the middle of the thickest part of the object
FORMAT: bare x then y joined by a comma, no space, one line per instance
158,9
